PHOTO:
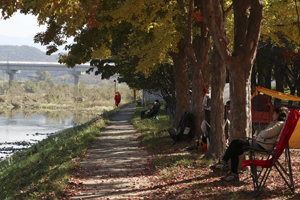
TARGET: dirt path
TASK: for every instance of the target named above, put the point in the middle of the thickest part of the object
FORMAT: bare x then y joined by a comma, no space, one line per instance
115,166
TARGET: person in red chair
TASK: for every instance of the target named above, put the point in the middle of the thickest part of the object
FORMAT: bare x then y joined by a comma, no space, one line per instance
117,98
239,146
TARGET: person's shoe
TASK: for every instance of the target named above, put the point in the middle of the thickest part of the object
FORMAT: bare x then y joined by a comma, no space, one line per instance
221,165
231,177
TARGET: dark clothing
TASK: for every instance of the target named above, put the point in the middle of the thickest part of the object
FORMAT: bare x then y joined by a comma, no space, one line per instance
153,111
236,148
143,113
155,107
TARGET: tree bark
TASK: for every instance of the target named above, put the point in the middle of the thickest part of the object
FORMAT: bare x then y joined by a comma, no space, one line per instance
269,77
181,83
217,135
240,102
279,83
200,78
253,79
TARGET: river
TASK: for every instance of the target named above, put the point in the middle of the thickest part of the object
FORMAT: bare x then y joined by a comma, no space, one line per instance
20,129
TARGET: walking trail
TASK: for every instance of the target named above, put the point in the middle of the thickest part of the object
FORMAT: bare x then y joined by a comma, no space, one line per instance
115,166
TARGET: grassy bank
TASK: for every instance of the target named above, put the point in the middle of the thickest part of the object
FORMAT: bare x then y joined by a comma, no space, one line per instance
42,171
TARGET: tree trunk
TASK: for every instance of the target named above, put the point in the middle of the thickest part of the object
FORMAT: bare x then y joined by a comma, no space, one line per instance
279,83
200,74
240,90
181,83
269,77
260,80
197,52
217,135
293,90
253,79
247,23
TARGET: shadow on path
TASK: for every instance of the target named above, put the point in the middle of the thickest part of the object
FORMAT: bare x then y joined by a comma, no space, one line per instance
115,166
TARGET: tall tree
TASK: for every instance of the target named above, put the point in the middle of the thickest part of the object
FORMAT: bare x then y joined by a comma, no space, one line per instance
217,132
196,48
247,24
182,83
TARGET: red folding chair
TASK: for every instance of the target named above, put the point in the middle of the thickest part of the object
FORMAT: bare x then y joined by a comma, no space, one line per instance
260,176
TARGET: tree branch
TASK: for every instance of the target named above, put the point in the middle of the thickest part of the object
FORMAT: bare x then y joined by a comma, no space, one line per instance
225,12
253,33
213,20
189,22
297,16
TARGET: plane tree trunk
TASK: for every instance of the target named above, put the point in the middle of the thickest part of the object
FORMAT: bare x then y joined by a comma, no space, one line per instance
197,50
182,86
239,63
217,134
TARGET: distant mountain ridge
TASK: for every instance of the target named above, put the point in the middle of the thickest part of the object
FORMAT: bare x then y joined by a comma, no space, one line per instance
24,53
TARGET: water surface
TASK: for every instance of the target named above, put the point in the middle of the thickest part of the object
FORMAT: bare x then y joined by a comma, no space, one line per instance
20,129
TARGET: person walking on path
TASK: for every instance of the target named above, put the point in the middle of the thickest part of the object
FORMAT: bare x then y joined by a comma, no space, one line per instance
114,166
117,98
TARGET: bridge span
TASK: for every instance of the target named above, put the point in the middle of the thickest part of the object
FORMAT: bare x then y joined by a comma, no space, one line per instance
12,67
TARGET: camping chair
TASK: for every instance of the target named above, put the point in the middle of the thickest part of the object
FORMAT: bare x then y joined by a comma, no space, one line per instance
260,176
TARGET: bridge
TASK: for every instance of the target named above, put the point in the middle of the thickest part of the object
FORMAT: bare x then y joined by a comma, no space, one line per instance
12,67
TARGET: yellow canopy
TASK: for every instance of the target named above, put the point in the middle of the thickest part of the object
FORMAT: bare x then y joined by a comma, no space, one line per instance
294,141
273,93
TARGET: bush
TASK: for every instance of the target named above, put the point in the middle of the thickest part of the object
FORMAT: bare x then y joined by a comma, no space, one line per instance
30,87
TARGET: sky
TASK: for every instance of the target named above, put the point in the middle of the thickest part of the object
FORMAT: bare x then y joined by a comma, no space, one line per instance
20,26
20,30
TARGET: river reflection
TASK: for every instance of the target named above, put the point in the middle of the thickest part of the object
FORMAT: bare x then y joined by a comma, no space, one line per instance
20,129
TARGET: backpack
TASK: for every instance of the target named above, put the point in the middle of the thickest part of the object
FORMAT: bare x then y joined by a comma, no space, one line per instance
185,128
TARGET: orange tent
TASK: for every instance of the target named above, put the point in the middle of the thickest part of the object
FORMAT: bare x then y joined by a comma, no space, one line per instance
261,109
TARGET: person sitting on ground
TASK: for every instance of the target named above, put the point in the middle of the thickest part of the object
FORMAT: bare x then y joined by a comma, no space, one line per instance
227,122
265,141
205,127
152,112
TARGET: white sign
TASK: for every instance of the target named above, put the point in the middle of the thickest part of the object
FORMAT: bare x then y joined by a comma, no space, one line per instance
152,95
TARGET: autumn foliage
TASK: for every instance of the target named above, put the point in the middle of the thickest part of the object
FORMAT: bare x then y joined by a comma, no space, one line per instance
198,16
291,56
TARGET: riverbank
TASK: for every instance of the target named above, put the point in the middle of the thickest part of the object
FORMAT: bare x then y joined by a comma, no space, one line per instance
42,171
47,95
20,129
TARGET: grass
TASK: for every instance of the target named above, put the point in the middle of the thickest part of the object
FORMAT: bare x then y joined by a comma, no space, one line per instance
42,171
155,132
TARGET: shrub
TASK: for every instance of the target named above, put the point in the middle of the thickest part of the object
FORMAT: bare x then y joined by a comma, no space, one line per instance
30,87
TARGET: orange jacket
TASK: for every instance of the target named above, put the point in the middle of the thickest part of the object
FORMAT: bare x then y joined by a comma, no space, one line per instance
117,98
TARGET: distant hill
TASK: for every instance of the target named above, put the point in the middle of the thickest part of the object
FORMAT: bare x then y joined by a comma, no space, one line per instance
24,53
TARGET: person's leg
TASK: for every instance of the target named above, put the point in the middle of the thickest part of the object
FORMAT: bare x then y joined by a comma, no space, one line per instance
236,148
143,114
169,113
